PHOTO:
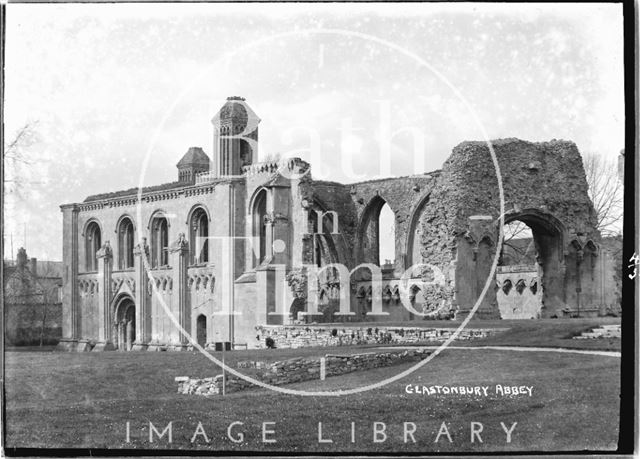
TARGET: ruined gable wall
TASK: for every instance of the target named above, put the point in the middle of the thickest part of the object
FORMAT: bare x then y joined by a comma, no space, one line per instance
543,175
547,177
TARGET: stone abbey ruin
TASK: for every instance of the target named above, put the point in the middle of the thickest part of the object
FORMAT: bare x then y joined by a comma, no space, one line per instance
235,244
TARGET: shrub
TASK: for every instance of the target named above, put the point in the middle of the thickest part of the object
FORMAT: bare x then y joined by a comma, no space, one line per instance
270,343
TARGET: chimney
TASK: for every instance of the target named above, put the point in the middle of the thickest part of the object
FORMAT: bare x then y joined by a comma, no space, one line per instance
33,266
21,258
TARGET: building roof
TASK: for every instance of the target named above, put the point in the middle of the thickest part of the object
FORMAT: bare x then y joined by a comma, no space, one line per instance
134,191
49,269
194,156
236,109
44,268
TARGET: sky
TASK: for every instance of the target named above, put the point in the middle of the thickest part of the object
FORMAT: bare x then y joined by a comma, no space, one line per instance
107,88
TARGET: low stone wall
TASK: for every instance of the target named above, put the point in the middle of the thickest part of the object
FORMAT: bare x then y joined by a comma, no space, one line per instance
605,331
297,370
296,336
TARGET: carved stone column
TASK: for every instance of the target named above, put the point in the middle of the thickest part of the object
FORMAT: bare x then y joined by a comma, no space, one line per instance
142,299
105,266
268,240
179,260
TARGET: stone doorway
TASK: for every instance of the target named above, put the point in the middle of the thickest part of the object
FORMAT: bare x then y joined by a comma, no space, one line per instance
201,330
529,274
125,324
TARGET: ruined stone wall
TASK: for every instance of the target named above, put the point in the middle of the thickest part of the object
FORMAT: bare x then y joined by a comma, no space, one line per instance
377,333
436,238
612,248
544,186
448,219
542,175
297,370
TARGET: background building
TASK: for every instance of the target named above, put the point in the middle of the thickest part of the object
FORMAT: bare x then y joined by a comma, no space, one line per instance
32,301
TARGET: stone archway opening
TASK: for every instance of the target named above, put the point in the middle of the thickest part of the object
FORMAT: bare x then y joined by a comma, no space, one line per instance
386,237
377,225
125,324
201,330
529,276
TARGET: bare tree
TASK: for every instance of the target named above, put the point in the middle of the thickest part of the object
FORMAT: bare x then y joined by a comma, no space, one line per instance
48,278
605,191
24,137
517,230
15,158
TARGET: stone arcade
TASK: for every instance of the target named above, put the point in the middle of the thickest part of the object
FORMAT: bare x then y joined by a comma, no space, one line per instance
121,270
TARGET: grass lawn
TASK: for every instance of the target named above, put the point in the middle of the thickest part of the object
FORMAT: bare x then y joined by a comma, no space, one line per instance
546,333
535,333
84,400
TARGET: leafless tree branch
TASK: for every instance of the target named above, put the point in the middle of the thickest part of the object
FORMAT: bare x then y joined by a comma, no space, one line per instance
605,191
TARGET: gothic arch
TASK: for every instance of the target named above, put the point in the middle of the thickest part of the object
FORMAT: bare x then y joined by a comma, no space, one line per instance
368,229
118,301
258,211
537,220
549,237
254,197
414,221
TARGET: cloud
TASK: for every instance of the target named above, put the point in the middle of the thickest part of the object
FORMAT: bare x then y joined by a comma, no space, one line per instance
106,80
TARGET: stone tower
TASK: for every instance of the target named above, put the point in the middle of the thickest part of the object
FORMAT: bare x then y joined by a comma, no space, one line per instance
195,160
235,137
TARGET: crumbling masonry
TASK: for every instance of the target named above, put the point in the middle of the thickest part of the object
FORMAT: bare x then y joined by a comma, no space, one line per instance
136,268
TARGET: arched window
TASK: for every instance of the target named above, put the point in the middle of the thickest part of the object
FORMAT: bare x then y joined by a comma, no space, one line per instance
225,151
159,242
199,232
376,242
387,236
125,244
93,243
260,227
